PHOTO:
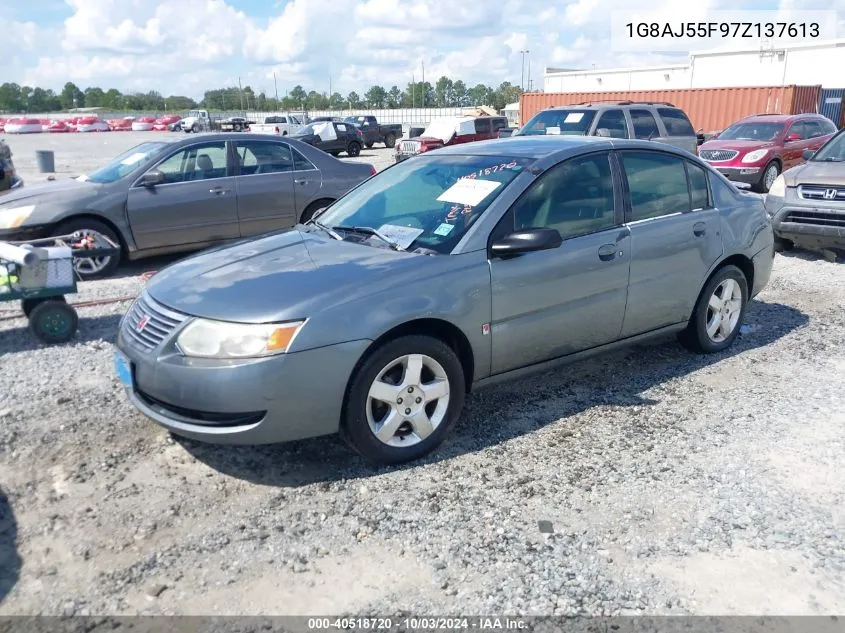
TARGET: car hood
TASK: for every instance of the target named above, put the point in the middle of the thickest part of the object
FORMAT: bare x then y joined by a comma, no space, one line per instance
816,172
288,275
741,146
68,189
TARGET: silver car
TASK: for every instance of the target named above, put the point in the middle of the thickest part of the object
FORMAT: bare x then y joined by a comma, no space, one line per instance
181,195
469,265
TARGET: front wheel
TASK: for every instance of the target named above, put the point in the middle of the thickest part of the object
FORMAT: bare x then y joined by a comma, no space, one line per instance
718,315
403,400
195,128
238,127
390,141
53,321
92,267
770,174
353,149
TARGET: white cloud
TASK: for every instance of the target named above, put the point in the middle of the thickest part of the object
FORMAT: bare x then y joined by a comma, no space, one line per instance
188,46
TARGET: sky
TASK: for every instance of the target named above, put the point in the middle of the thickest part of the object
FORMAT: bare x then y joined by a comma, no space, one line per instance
187,46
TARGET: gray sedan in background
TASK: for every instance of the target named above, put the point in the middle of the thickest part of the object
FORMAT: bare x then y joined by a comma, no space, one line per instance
182,195
467,265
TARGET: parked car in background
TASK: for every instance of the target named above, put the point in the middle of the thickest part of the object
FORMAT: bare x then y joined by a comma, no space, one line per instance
646,120
462,267
323,119
374,132
9,178
235,124
754,150
332,137
807,203
182,194
277,124
450,131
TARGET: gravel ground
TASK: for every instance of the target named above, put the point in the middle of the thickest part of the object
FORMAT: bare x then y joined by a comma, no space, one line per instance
77,154
646,481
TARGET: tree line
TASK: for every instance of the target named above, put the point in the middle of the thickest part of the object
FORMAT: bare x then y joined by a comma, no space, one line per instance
443,94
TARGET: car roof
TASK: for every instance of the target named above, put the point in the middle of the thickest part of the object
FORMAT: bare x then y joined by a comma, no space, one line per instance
777,118
597,105
542,146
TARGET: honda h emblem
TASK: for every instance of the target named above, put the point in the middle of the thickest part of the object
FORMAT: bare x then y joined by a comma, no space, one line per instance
142,323
829,194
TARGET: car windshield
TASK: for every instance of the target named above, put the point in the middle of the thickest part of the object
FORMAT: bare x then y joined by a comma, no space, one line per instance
428,202
126,163
833,151
752,131
563,122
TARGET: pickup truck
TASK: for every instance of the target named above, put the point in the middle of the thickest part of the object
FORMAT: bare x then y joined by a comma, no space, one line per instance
277,124
451,131
374,132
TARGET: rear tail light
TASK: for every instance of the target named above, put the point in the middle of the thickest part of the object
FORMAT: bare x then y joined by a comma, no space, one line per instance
277,130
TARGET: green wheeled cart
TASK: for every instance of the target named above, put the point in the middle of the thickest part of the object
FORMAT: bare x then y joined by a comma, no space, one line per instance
39,274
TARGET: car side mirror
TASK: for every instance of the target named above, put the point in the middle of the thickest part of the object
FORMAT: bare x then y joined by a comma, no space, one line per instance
152,178
526,241
808,154
793,137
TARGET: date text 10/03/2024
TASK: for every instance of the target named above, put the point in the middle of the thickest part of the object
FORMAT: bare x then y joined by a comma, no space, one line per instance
778,30
419,624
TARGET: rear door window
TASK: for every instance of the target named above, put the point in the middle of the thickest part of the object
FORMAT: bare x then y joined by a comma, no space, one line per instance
482,126
813,129
614,122
657,184
645,127
675,122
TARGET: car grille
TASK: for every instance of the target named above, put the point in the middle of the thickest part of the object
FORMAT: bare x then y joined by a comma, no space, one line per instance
158,322
409,147
821,192
718,155
816,218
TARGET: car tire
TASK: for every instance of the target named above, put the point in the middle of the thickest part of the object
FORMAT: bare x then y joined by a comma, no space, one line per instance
238,127
53,321
312,208
438,372
771,172
721,305
390,141
195,128
369,145
85,268
353,149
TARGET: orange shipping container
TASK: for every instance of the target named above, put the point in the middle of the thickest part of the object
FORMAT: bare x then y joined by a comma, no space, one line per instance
709,109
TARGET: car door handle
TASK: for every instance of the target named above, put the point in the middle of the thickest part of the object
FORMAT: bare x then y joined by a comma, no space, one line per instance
218,191
607,252
300,182
699,229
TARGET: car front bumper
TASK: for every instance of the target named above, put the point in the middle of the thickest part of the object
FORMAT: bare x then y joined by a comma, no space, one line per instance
807,223
252,401
749,175
22,233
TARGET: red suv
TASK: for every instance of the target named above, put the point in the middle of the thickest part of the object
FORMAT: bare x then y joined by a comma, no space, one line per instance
757,148
451,131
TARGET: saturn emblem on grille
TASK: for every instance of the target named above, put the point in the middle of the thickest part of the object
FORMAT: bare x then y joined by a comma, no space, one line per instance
142,323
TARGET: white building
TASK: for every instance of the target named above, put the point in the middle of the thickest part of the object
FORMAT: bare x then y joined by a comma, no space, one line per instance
798,64
512,112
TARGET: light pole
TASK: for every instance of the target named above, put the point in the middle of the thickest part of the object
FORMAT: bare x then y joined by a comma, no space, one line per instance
522,77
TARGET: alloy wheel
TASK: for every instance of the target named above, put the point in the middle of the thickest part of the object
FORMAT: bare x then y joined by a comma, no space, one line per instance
88,266
723,310
408,400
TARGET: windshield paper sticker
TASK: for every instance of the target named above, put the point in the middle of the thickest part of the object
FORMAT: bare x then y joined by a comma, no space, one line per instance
553,130
470,191
131,160
404,236
444,229
573,117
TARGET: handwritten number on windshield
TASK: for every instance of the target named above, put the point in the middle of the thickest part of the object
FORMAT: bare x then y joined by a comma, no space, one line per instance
486,171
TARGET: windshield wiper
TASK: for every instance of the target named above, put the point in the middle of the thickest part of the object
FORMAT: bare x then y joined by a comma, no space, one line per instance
371,231
325,228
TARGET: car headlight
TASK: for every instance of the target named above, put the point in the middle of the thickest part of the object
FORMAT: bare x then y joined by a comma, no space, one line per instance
204,338
13,217
753,157
778,187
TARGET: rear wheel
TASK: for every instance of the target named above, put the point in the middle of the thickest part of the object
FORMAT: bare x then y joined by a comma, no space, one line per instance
53,321
312,208
389,141
404,400
92,267
353,149
238,127
718,315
